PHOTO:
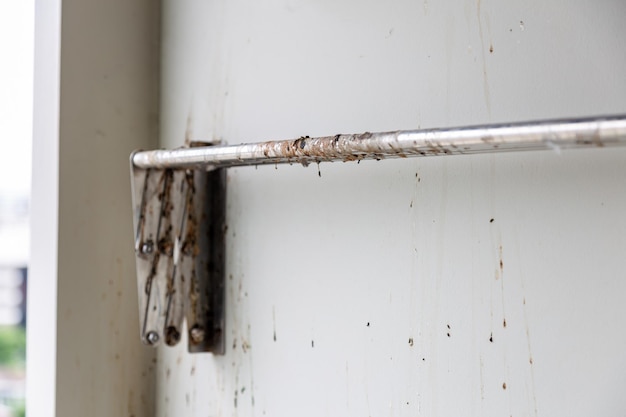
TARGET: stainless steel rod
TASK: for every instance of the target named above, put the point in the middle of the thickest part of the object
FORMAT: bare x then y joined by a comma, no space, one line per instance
554,134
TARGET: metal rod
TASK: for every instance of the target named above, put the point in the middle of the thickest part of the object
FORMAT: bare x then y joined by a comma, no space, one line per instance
555,135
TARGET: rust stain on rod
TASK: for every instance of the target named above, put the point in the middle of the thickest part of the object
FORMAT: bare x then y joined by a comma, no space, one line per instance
555,134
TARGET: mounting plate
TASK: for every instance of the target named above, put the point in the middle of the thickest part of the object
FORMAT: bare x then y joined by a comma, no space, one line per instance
179,223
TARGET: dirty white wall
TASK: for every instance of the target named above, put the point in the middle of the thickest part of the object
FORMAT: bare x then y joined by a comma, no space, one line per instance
96,99
478,285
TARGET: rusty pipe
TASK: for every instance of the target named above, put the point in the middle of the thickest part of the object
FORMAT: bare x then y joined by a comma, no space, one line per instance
541,135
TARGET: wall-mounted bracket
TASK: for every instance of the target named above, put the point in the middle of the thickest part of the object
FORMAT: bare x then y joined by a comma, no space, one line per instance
179,218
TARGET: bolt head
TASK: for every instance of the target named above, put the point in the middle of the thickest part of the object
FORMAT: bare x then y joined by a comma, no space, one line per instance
196,334
147,247
172,336
152,337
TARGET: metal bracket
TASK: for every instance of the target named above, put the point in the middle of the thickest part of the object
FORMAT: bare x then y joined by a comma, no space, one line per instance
179,223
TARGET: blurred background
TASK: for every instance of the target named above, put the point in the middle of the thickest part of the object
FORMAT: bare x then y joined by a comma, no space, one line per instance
16,81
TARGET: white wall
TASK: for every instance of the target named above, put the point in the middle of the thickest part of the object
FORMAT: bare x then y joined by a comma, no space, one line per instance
382,288
96,100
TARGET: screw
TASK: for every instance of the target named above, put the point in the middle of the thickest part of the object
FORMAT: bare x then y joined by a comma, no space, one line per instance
187,249
196,334
152,337
147,247
172,336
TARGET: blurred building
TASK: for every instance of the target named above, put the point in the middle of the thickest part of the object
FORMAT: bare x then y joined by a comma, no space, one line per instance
14,246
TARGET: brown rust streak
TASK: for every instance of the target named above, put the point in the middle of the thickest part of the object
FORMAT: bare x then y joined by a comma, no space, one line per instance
306,149
329,148
165,244
595,140
193,296
190,244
